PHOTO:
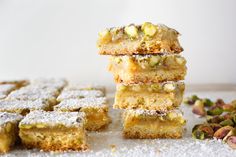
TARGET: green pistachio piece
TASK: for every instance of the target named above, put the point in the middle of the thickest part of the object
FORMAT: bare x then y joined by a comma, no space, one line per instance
227,122
131,31
154,60
149,29
207,102
215,111
198,135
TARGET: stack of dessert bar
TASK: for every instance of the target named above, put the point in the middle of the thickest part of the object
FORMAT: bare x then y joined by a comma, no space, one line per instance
148,70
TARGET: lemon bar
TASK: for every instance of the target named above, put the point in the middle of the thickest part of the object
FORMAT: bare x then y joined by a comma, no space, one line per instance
54,131
78,94
147,38
95,109
152,124
8,130
23,107
33,93
5,89
50,82
147,68
156,96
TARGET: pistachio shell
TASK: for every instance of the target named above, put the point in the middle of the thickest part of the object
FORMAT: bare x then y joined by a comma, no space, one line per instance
198,108
222,132
231,141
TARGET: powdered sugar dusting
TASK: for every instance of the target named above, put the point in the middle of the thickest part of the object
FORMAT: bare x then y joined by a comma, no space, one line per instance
6,105
9,117
78,94
53,118
72,104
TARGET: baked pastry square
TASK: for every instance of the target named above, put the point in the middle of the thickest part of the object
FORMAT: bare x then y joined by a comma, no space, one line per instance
54,131
23,107
33,93
8,130
59,83
95,109
78,94
152,124
139,39
155,96
147,68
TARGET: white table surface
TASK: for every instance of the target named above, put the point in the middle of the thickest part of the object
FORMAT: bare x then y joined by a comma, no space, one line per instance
110,142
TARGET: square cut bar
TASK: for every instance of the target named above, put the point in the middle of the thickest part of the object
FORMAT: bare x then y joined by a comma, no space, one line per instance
78,94
86,87
33,93
139,39
23,107
156,96
147,68
151,124
50,82
54,131
8,130
5,89
95,109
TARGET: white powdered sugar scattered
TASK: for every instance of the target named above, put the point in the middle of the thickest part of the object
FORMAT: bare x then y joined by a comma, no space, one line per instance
138,112
9,117
11,105
5,89
78,94
73,104
53,82
85,87
31,93
54,118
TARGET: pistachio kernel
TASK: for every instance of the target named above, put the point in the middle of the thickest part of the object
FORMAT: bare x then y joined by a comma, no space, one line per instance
154,60
222,132
198,108
198,135
231,141
169,87
105,36
131,31
227,122
155,87
215,110
149,29
207,102
180,60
